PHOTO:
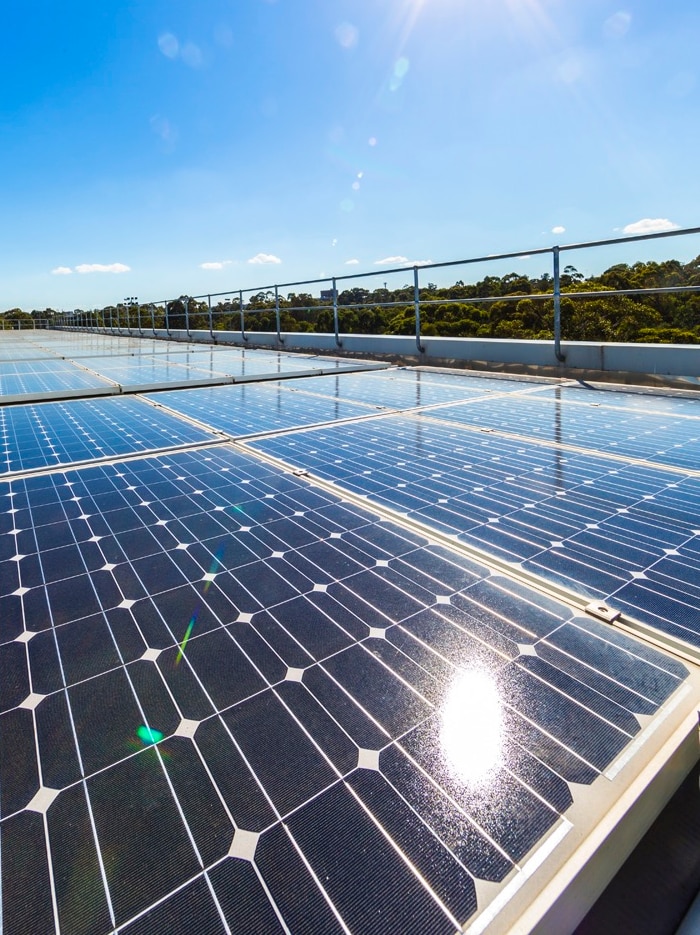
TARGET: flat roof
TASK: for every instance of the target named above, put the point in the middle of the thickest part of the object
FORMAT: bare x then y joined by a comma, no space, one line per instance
303,644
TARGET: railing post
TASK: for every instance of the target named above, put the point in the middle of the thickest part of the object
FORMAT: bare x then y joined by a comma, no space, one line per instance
277,315
187,316
211,326
557,307
138,317
416,305
153,319
338,342
167,319
240,309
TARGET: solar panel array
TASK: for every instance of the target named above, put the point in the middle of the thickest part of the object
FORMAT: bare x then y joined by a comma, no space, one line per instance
47,364
240,699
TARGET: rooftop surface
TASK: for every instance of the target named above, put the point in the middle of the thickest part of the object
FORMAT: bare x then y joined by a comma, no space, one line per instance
352,651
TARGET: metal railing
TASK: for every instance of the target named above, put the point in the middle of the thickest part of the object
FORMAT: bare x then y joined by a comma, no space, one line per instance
161,314
25,324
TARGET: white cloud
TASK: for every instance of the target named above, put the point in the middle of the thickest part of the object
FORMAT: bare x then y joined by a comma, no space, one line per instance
401,261
617,25
168,45
215,264
262,258
391,260
650,226
102,268
62,271
558,229
352,262
347,35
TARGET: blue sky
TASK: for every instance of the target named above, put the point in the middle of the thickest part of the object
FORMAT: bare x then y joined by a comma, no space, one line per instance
160,147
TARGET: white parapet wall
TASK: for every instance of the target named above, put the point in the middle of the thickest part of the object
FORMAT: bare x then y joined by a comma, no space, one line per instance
674,360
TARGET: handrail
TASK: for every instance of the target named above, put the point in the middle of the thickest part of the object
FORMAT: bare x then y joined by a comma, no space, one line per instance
555,295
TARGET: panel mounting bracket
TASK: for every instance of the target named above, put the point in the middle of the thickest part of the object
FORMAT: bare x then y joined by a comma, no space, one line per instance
601,611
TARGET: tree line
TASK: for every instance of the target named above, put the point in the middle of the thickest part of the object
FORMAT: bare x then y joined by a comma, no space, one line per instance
495,307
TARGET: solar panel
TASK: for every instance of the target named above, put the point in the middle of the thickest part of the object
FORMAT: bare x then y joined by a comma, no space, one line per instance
252,408
604,528
46,435
409,389
634,433
52,378
264,662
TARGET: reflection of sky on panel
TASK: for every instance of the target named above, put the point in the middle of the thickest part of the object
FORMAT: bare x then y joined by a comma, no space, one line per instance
648,400
598,526
142,370
58,433
250,408
631,433
177,366
49,381
23,367
406,389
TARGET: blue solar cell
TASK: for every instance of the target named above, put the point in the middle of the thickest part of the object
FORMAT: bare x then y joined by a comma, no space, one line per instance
253,408
669,438
584,521
46,435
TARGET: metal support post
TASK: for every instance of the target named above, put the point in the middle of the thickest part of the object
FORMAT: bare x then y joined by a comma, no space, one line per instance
240,309
416,305
211,325
277,315
557,307
338,342
187,316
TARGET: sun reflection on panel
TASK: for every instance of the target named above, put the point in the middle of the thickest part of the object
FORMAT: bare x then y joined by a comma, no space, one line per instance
471,734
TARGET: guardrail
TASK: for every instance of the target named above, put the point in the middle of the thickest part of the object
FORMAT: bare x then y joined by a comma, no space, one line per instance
156,316
25,324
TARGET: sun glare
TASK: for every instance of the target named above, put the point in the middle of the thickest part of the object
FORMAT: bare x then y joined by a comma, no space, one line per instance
471,733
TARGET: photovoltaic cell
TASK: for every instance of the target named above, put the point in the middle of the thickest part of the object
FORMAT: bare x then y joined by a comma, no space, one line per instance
669,439
38,436
605,528
253,408
45,377
408,389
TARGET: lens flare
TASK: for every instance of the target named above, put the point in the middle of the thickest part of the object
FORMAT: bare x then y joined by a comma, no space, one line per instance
148,735
216,564
188,632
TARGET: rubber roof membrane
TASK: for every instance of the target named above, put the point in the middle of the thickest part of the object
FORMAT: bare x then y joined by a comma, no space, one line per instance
364,650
